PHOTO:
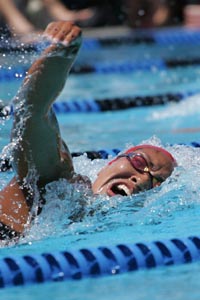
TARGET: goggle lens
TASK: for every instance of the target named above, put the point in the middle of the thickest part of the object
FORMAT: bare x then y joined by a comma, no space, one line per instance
139,163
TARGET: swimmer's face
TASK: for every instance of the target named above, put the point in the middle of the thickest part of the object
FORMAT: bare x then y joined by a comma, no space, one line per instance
123,177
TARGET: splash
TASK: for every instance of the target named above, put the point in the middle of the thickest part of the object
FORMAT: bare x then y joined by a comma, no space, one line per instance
73,211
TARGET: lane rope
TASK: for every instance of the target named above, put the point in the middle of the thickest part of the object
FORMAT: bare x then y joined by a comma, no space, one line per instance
97,262
16,73
91,105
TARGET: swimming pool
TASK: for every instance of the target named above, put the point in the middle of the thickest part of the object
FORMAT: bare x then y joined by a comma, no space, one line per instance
170,211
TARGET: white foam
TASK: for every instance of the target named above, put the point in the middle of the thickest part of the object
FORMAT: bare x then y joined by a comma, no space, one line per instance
187,107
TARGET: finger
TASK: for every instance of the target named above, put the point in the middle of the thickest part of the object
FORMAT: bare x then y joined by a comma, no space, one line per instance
49,28
63,31
73,34
54,28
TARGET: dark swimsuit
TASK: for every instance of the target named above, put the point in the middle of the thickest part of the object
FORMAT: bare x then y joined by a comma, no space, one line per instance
6,233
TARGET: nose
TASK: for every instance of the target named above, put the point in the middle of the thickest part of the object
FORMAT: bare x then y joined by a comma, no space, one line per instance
141,181
135,184
133,178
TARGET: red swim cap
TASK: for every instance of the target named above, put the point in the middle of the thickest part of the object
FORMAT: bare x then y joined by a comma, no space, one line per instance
132,149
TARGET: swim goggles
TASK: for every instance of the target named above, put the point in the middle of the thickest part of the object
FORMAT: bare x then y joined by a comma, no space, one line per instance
140,164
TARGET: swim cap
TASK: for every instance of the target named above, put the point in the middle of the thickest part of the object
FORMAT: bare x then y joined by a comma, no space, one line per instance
165,152
132,149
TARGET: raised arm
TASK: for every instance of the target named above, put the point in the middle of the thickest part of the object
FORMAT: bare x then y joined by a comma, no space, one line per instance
39,155
35,133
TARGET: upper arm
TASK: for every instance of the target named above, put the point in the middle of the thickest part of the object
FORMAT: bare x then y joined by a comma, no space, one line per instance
14,211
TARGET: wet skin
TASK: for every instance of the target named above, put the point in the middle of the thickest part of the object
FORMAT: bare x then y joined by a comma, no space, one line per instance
122,178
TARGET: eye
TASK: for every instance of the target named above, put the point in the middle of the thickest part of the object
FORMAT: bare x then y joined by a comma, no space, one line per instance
139,163
152,166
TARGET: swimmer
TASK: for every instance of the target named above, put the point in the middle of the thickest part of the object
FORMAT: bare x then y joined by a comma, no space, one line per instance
40,156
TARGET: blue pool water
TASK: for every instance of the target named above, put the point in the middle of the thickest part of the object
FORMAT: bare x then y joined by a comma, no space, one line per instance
171,210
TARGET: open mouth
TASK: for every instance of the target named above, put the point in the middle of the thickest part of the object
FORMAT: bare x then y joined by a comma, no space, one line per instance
120,189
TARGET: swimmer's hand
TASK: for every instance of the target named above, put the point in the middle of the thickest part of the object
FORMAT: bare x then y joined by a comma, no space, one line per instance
63,32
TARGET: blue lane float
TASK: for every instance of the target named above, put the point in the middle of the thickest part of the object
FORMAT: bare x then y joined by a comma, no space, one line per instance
165,36
108,104
180,35
97,262
16,73
133,66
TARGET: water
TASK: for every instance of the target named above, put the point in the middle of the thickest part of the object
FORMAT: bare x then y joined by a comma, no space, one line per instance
171,210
